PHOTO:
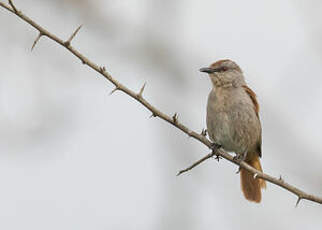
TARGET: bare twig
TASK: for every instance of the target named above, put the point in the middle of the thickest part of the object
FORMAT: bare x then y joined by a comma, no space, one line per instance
196,163
157,113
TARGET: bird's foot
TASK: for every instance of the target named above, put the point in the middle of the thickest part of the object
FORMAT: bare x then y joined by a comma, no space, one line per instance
214,147
239,158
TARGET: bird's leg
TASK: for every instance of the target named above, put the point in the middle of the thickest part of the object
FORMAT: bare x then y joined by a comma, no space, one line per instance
214,147
240,158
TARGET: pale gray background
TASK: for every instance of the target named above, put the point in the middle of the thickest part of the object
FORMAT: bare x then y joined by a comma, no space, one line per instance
72,157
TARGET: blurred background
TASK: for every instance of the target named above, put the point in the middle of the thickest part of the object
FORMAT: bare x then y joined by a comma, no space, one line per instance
73,157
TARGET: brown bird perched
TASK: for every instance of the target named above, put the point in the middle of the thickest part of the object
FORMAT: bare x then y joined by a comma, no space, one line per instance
233,121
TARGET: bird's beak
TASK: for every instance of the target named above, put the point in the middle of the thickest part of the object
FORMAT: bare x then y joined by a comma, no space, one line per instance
207,70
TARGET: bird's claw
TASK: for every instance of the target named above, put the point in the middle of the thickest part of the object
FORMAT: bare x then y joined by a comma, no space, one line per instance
217,157
239,158
214,147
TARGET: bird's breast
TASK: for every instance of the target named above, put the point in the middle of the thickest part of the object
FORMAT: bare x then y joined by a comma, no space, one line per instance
231,120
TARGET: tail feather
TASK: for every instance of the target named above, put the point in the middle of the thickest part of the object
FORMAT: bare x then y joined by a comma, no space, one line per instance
252,187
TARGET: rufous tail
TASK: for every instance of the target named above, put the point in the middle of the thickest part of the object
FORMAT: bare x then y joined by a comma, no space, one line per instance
252,187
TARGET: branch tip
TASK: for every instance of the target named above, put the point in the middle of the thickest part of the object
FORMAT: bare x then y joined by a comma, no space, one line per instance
179,173
36,40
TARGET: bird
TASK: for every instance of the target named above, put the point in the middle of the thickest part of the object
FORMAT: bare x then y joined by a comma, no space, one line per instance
233,121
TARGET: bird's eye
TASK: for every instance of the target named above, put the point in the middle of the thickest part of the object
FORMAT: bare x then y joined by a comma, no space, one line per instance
223,69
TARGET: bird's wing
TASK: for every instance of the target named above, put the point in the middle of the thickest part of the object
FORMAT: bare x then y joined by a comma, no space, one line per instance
252,96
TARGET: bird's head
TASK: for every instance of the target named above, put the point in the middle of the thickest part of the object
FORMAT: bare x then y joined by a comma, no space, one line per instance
225,73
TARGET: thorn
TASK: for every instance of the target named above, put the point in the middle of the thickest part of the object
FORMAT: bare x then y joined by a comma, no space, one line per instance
281,179
36,40
238,171
83,62
204,132
175,118
102,69
67,43
298,201
255,175
153,115
113,91
141,90
13,6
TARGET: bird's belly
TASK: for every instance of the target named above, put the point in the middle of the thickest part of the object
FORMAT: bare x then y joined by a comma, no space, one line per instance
222,131
231,122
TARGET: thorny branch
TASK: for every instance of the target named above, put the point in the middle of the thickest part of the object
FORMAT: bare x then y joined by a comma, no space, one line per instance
157,113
